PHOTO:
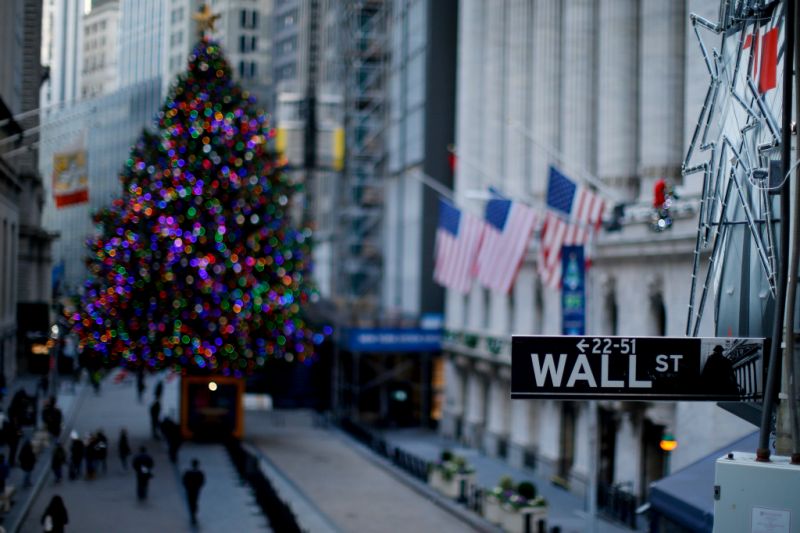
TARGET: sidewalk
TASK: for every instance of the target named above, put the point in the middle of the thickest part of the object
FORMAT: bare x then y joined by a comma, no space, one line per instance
351,491
566,510
109,503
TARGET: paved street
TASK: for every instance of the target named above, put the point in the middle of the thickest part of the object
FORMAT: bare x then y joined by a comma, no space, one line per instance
109,502
354,493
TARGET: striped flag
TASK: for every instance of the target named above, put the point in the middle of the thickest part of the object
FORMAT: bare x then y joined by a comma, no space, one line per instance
575,215
508,232
458,238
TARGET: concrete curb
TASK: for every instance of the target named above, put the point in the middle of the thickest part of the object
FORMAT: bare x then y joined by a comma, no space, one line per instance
309,517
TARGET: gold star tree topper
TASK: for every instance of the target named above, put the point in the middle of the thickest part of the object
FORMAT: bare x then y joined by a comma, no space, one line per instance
205,20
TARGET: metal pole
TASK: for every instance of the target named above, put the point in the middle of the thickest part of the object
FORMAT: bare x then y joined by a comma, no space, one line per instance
592,524
763,452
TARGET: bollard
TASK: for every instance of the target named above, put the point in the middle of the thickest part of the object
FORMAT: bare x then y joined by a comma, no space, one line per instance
541,526
462,496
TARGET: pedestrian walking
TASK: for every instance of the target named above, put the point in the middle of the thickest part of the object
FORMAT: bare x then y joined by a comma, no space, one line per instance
159,390
193,480
91,456
140,384
52,417
55,516
77,451
27,460
4,471
124,448
12,434
57,462
172,434
155,418
101,449
143,466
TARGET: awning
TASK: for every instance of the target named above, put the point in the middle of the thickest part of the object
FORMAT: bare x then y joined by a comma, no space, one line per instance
687,496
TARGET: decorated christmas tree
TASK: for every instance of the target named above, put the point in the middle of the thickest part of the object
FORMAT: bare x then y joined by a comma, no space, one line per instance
197,265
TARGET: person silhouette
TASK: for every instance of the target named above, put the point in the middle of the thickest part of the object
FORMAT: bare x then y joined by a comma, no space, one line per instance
193,480
718,376
143,466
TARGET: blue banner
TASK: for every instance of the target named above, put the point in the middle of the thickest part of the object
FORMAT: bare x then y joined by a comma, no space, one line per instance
573,291
393,340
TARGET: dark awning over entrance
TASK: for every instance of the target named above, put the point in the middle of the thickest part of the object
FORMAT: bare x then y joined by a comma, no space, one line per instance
687,496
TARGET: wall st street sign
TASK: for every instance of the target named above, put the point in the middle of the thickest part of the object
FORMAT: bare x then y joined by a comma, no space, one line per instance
637,368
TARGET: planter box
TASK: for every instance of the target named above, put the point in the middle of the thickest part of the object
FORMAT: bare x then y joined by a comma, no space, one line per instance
493,509
451,487
513,520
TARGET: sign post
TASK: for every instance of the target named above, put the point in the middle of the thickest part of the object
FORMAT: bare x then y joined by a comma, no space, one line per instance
637,368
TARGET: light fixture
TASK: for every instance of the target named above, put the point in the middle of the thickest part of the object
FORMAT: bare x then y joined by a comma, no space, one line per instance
212,386
668,442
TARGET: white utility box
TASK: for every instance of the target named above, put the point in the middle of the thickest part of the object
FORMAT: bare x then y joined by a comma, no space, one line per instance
753,497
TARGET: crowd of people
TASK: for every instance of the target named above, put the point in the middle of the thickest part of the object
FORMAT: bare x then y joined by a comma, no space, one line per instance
86,457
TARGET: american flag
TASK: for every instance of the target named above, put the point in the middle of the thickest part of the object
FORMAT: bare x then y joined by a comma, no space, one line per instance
458,238
575,214
508,232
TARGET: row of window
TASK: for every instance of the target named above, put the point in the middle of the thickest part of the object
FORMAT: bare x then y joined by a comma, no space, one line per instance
96,27
248,44
248,19
247,69
91,44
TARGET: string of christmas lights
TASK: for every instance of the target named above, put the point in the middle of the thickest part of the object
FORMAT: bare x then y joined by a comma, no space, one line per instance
197,266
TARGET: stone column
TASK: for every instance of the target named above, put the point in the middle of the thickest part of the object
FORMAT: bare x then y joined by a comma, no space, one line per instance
521,431
469,110
544,120
494,79
618,94
578,117
499,413
518,87
661,82
627,453
547,437
453,398
475,406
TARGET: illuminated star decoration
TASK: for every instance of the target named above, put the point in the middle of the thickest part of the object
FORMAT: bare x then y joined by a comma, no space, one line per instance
739,133
197,265
205,20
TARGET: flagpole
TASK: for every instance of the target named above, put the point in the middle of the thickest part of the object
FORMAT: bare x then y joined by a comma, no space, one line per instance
582,172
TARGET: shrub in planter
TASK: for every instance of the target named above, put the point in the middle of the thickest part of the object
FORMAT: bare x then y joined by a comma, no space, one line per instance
445,456
527,490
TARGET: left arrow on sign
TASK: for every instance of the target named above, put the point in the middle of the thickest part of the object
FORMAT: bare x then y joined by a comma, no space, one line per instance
582,345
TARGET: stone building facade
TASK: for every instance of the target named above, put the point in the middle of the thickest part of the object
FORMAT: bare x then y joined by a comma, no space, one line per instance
609,91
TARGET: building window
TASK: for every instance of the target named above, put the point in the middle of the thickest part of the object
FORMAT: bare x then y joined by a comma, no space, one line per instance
252,69
242,43
243,15
255,20
241,69
253,43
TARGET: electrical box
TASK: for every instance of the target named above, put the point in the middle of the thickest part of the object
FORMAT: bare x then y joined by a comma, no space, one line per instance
753,497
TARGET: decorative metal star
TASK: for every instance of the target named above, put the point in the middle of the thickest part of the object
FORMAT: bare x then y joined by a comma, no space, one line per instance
738,130
205,20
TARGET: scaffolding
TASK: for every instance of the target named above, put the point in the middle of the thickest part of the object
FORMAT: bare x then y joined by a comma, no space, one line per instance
366,60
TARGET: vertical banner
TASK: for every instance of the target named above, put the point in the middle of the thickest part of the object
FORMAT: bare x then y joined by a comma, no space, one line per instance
70,178
573,291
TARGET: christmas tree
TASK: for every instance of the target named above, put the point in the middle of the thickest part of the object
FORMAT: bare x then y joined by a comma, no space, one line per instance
197,266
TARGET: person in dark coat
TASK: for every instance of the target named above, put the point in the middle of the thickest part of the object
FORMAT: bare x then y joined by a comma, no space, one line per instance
143,466
77,451
159,390
172,434
91,456
12,434
101,449
193,480
155,418
124,448
57,462
140,386
718,376
4,471
55,517
52,417
27,460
